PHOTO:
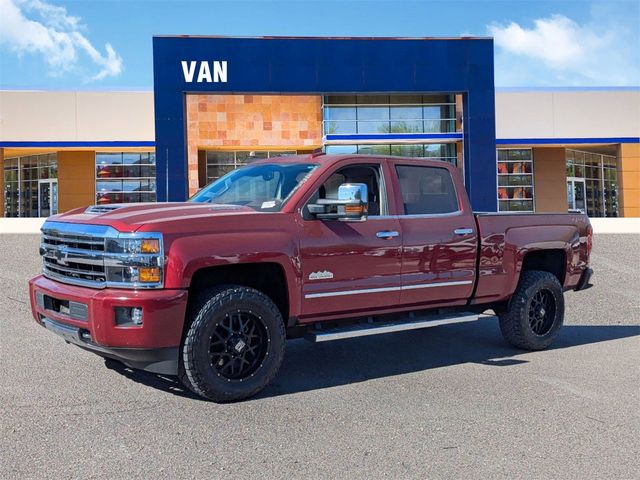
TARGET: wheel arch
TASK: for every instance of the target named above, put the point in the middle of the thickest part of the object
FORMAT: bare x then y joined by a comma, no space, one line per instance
267,277
552,260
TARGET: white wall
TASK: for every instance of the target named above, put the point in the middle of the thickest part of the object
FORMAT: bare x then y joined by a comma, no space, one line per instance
128,116
568,114
76,116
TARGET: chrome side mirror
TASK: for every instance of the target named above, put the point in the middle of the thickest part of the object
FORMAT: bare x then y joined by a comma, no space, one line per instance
350,206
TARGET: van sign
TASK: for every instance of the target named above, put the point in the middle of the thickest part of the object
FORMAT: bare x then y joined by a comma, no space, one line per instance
208,72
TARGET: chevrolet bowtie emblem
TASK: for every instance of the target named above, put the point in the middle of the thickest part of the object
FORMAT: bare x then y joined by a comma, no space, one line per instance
61,256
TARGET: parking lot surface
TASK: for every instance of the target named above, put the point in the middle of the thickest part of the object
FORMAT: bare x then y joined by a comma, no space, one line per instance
447,402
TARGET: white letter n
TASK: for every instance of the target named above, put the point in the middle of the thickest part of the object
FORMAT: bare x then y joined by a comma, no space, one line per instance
220,71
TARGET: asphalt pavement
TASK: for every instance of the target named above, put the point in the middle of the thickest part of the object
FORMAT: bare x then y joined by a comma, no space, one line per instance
447,402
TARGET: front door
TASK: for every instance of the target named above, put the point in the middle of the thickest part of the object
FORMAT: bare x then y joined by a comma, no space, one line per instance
351,266
576,194
47,198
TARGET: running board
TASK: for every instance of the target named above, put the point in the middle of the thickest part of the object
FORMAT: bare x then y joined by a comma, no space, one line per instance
365,329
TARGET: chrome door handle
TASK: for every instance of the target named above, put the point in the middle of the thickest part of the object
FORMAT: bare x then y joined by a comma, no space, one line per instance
386,234
463,231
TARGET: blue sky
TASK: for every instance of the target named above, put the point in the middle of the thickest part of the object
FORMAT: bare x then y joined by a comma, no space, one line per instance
106,44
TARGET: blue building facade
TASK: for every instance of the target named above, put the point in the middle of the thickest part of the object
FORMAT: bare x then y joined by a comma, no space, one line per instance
381,75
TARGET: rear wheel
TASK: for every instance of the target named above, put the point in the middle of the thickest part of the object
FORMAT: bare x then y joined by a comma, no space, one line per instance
535,312
234,344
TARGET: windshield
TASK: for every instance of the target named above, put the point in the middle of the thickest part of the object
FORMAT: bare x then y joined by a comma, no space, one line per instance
264,187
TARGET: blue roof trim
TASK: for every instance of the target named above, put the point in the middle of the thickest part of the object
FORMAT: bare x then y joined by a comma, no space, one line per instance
396,136
77,144
555,141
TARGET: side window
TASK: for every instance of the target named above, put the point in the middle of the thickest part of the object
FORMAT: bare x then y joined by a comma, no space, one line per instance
426,190
367,174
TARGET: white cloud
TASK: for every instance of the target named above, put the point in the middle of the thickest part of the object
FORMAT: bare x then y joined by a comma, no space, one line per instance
559,51
37,27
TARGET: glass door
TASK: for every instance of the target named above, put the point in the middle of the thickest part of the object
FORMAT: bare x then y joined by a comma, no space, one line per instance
47,198
576,194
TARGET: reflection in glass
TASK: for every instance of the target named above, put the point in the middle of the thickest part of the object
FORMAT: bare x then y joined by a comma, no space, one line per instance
120,176
601,180
515,180
371,114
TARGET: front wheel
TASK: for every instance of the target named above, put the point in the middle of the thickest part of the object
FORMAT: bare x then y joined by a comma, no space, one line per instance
234,344
535,312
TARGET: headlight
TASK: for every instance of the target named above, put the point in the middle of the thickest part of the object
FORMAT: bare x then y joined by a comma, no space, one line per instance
133,245
134,260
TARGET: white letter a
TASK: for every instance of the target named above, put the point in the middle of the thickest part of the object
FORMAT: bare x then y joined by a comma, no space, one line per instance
204,73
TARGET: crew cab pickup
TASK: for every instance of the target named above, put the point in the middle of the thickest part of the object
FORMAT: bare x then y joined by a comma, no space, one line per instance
321,246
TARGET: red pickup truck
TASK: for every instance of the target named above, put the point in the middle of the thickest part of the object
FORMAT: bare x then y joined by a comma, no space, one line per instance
322,246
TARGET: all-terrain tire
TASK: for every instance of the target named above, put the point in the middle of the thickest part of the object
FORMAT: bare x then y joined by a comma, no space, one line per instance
535,313
213,314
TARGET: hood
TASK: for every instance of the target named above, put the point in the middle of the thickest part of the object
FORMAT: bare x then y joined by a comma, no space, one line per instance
131,217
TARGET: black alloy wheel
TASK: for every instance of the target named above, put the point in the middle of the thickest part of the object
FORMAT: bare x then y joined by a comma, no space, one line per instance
542,312
233,343
238,345
535,313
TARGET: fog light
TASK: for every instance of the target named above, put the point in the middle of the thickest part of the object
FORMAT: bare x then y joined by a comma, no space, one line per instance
128,316
136,315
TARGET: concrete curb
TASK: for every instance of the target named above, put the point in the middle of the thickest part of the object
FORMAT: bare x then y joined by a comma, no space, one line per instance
21,225
615,225
600,225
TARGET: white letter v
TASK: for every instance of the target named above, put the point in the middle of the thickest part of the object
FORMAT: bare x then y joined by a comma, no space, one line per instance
188,72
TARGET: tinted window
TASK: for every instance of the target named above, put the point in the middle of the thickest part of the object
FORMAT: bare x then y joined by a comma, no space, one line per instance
426,190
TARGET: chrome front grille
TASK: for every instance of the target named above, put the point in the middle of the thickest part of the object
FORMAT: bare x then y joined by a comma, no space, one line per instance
74,253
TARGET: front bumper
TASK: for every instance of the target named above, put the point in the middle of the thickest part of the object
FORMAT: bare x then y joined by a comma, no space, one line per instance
152,346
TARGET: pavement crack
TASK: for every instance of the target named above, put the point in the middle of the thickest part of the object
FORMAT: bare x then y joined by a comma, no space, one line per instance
16,300
596,419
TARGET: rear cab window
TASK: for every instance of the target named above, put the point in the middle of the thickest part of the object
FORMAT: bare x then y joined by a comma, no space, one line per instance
427,190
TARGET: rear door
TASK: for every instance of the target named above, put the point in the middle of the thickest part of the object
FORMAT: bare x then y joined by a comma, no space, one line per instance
351,266
439,244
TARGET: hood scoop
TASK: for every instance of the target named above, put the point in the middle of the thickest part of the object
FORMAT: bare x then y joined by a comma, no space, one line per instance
98,209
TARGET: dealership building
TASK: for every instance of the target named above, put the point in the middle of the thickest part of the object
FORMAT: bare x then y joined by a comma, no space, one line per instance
219,103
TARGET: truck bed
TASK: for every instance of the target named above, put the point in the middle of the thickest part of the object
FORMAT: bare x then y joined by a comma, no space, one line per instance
505,239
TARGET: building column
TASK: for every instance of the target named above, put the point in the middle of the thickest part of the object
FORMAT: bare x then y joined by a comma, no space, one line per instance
1,182
629,179
550,180
76,179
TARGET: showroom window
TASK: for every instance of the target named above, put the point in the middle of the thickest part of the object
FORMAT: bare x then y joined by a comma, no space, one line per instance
515,180
592,183
380,114
432,151
31,186
125,177
220,162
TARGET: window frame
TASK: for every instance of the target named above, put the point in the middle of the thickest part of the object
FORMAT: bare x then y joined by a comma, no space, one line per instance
145,196
383,186
507,160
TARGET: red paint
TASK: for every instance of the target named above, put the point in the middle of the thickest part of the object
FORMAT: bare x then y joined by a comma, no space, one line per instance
163,311
426,251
